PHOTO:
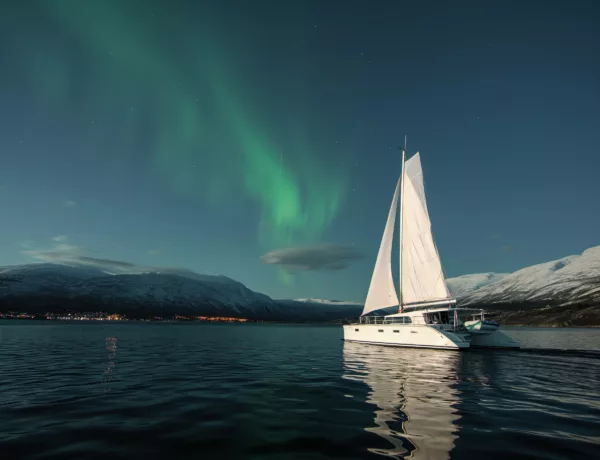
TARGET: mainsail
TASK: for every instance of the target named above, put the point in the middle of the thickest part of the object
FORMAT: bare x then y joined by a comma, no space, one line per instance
382,292
422,277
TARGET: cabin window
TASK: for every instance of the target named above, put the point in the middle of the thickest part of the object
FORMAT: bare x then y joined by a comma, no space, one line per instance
396,330
407,320
380,330
356,330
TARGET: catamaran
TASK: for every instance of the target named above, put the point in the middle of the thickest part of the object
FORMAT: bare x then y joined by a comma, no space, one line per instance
427,314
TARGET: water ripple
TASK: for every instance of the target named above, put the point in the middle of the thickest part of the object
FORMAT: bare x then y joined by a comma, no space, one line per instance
280,391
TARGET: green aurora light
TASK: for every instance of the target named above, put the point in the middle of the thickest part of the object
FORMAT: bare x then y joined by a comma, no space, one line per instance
206,139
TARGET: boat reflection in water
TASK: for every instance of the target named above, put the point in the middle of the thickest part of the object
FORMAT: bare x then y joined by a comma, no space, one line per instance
415,394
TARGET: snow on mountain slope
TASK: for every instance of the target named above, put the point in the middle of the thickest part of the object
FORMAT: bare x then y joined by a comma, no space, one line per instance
327,302
46,270
191,291
172,288
570,279
36,287
465,284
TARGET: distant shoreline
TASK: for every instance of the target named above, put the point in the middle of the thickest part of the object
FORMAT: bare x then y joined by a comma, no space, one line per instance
291,312
296,323
49,291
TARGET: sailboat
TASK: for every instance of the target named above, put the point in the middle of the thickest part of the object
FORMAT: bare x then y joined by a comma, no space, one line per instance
428,316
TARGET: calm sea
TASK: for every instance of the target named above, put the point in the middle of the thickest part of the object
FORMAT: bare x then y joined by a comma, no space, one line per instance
253,391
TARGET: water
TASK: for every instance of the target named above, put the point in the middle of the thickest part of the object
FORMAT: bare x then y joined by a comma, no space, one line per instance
173,390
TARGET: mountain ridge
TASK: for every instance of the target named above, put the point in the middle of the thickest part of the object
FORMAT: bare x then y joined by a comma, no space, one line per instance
37,288
565,282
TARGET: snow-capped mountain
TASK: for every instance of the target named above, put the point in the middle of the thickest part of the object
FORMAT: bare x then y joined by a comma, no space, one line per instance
46,271
465,284
327,302
43,287
45,284
569,280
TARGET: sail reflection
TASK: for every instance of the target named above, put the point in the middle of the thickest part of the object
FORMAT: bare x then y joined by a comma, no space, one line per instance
415,393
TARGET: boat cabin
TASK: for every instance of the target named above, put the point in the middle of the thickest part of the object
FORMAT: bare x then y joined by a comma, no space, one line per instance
441,317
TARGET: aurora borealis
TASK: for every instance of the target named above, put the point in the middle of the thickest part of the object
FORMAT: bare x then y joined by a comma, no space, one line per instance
206,134
119,56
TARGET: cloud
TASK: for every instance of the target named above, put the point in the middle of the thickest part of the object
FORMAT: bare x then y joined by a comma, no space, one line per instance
324,256
110,265
69,203
60,252
67,254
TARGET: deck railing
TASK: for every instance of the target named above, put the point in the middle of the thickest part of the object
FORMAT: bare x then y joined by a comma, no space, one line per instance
384,320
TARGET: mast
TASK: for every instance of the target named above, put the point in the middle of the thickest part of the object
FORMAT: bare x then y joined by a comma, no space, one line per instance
400,228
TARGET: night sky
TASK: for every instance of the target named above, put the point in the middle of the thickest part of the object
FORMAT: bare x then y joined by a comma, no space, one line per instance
205,135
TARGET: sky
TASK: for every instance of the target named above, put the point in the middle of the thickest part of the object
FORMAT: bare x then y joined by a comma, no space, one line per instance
230,137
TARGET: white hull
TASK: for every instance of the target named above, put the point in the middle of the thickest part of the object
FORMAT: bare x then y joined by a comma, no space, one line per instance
424,336
405,335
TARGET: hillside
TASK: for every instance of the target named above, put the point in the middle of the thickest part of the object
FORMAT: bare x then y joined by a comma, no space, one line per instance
561,292
568,281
